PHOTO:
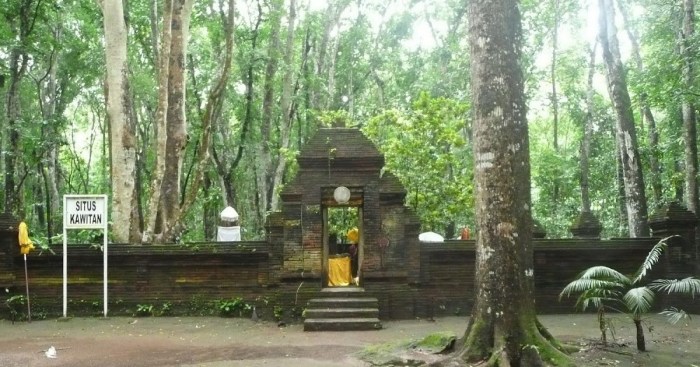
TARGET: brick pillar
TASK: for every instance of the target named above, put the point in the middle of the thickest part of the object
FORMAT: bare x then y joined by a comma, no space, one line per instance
537,230
274,227
9,248
586,225
674,219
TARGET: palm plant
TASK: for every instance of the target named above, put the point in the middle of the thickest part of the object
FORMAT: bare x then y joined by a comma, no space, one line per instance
606,288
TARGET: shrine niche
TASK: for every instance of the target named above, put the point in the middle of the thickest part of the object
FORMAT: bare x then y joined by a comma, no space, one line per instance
341,185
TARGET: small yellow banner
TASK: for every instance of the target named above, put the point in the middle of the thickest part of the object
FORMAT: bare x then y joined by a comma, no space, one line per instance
25,244
353,235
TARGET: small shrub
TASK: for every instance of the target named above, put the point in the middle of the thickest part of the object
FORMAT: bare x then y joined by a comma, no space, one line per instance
234,307
144,310
278,312
16,304
166,309
197,306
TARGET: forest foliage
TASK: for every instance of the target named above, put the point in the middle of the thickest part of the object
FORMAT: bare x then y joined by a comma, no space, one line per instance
398,70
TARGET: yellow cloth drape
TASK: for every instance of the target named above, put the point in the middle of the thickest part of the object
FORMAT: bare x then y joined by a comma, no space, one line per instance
339,271
25,244
353,235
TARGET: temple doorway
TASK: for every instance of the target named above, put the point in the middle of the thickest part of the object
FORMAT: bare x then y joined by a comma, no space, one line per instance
342,247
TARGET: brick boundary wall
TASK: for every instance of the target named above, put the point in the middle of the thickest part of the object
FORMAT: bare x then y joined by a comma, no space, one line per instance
191,279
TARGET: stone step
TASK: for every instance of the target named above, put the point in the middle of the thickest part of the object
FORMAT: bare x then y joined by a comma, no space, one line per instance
342,324
344,302
335,313
333,292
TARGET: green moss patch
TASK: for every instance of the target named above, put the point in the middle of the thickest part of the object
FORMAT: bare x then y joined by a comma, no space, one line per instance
408,352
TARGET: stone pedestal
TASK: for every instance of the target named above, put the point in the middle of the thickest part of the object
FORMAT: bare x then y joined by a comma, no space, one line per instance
586,225
674,219
537,230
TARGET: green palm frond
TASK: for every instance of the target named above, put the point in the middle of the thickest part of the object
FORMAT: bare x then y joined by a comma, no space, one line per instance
585,301
614,292
687,286
583,285
604,273
652,258
638,300
673,315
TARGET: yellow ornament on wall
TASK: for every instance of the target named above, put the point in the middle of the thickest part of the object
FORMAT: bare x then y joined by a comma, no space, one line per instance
25,244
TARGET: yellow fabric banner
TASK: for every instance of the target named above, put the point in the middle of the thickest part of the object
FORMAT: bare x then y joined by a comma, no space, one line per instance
339,271
25,244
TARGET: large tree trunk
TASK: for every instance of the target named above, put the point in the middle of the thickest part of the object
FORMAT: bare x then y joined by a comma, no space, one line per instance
626,135
176,128
21,26
161,138
263,156
503,319
212,112
285,107
690,136
210,212
647,115
554,99
227,161
587,136
318,97
18,67
123,140
50,110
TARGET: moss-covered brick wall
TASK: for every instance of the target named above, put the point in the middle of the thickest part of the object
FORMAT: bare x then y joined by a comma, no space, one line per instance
438,281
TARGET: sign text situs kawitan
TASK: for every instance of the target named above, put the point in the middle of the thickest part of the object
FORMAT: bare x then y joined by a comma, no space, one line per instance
84,212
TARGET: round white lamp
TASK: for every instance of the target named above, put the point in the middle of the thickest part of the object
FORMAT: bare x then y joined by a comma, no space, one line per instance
341,195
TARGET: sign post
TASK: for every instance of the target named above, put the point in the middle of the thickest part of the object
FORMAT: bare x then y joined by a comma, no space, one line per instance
84,212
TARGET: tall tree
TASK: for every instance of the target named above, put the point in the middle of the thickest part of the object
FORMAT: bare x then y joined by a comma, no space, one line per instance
21,19
227,158
286,111
554,96
176,125
331,18
587,135
212,113
269,102
122,137
626,135
586,217
646,113
503,328
690,135
51,109
163,63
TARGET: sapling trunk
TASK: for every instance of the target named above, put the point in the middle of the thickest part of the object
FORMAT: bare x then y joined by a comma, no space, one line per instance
641,344
602,324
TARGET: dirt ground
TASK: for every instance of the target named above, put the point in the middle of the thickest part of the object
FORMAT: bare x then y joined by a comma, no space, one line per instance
211,341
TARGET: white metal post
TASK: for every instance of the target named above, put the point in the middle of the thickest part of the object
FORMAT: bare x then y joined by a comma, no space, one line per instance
65,266
90,212
104,253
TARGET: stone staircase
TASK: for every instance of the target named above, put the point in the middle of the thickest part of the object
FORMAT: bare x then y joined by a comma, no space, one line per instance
342,309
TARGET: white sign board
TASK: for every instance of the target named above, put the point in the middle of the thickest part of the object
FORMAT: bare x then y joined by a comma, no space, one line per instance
84,212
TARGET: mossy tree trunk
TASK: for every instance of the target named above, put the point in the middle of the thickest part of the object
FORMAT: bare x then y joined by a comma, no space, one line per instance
503,329
625,130
641,343
122,138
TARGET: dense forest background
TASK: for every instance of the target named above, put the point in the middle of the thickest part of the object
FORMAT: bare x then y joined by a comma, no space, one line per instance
178,108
